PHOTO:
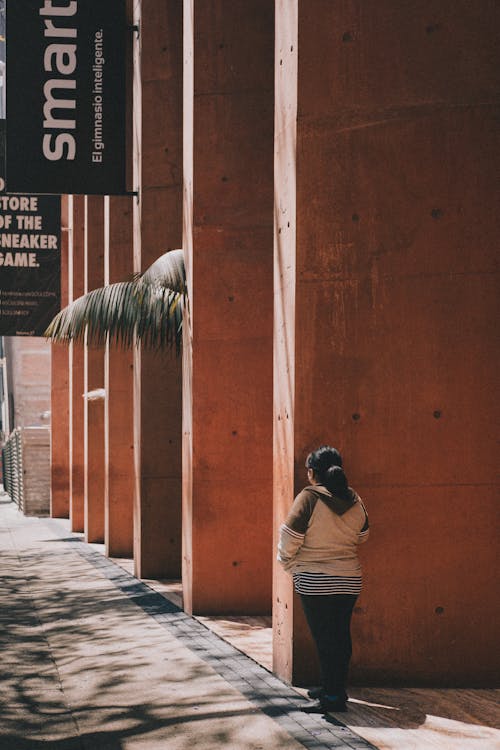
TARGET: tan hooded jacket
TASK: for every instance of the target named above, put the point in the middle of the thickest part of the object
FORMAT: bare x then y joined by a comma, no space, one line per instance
321,533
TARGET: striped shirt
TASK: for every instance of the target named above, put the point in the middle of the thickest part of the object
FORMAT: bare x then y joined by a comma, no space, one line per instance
320,584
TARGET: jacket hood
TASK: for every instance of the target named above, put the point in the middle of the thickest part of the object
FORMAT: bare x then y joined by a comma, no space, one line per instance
338,505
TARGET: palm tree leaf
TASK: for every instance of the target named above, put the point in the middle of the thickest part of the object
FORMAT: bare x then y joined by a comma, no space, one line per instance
149,309
96,314
167,272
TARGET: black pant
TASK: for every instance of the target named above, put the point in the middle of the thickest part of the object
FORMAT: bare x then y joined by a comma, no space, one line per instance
329,619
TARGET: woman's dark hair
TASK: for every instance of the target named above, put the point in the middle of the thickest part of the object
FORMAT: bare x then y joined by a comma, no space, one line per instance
326,462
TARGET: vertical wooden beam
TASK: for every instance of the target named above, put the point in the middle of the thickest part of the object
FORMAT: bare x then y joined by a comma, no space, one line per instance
285,608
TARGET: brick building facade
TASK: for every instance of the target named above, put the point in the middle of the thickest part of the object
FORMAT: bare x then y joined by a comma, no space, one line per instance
26,422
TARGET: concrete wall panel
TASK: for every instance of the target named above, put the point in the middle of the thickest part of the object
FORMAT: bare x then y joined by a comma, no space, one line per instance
395,303
363,59
59,436
119,440
94,379
158,228
228,218
76,360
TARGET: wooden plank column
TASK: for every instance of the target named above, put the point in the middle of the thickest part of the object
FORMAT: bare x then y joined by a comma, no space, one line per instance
157,94
119,383
76,365
287,624
385,313
94,380
228,220
60,438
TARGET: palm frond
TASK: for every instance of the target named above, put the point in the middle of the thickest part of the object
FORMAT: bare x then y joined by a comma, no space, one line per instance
167,272
149,308
110,309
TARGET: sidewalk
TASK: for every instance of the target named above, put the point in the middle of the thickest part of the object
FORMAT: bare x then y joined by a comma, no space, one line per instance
93,659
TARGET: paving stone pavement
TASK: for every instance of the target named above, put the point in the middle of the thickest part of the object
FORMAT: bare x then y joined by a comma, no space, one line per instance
93,659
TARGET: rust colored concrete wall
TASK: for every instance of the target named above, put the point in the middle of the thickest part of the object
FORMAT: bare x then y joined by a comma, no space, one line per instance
93,414
157,228
59,444
228,218
59,437
119,381
395,305
76,365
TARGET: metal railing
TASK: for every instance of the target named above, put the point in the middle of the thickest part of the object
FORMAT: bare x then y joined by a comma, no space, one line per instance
12,457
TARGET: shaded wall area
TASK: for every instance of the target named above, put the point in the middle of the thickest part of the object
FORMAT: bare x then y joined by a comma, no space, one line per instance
76,288
157,161
228,220
118,385
93,373
60,386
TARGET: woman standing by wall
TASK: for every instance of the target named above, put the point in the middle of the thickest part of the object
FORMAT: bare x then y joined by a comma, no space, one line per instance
318,546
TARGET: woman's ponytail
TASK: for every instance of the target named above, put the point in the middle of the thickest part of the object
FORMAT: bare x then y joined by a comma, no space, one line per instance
335,482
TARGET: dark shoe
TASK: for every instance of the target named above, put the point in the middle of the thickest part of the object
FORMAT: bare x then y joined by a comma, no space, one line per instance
324,706
316,692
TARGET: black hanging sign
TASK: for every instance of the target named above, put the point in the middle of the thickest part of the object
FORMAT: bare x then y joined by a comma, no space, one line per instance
30,261
66,96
